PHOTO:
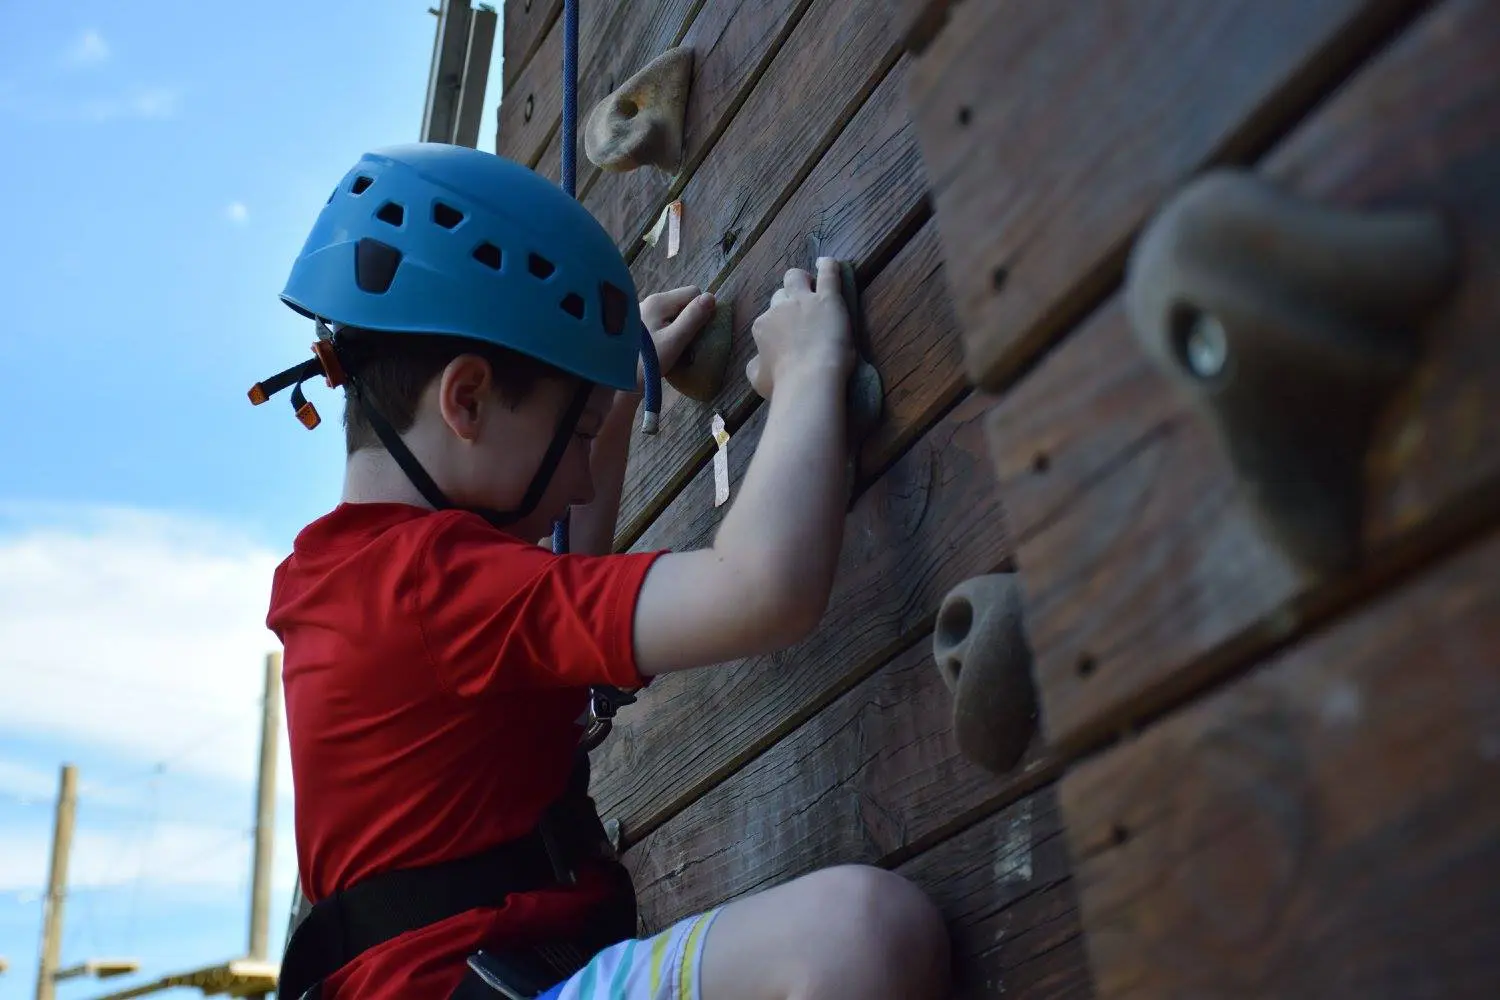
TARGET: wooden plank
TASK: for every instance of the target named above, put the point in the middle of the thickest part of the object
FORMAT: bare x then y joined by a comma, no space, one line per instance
862,199
733,42
526,24
1147,577
1049,139
930,522
1327,826
1005,886
873,778
918,21
610,36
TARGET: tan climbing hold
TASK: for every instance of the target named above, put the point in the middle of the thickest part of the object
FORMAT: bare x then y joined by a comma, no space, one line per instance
642,121
982,652
699,372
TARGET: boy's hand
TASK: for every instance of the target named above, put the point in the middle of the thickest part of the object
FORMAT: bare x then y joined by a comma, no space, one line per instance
804,326
674,318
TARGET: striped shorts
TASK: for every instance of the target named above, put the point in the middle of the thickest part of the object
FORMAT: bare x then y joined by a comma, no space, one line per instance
665,966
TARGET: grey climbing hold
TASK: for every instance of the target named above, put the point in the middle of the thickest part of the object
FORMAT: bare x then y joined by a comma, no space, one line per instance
642,121
1289,325
699,372
981,650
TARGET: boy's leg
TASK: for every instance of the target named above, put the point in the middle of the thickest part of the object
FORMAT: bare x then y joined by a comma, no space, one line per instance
850,931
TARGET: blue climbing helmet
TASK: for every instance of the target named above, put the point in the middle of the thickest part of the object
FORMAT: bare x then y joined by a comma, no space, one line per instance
444,239
439,239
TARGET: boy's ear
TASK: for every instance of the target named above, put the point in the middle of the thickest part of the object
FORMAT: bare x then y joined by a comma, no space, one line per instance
464,390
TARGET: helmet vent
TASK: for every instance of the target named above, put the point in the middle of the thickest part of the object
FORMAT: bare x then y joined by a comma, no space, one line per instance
573,305
540,267
392,213
446,215
361,184
616,306
489,255
375,265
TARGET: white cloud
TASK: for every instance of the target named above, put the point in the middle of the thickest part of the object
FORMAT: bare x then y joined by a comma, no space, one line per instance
238,212
90,49
186,858
33,785
140,633
143,103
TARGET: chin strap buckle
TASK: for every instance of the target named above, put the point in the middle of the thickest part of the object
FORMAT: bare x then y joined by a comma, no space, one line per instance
325,362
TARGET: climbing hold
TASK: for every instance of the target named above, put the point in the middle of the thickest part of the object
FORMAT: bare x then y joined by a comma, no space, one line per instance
641,122
1289,324
699,372
866,393
982,653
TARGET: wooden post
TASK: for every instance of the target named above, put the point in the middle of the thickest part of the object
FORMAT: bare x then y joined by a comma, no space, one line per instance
265,812
57,883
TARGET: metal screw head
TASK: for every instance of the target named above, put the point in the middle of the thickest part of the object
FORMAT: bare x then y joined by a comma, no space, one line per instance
1206,348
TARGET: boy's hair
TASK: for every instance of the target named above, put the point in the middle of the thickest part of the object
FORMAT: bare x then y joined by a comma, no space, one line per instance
396,368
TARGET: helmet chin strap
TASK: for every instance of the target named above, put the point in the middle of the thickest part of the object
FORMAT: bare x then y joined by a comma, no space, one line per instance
435,496
419,477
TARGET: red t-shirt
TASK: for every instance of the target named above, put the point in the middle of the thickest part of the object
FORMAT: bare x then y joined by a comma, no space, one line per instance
436,672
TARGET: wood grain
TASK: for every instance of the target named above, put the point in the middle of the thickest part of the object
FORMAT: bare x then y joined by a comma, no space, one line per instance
862,200
1049,139
1004,886
918,22
931,521
1007,889
1147,577
872,778
526,24
1327,826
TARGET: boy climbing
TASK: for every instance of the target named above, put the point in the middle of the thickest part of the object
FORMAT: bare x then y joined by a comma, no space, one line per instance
439,662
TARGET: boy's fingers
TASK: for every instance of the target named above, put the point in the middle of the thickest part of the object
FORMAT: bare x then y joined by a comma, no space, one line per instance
690,320
667,304
797,280
830,281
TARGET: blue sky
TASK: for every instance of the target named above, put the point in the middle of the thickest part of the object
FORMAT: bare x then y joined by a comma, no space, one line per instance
160,164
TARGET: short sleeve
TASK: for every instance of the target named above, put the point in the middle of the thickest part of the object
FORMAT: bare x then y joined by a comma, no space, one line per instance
498,613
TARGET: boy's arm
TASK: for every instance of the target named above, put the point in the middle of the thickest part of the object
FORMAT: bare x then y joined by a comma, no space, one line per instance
765,582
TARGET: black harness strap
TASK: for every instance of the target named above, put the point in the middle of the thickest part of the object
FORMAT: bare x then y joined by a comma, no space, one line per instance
342,926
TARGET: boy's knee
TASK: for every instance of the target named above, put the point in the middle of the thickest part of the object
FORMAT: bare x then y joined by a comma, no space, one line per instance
891,922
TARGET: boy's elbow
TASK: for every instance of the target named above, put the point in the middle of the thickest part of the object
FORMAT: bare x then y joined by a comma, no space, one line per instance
793,609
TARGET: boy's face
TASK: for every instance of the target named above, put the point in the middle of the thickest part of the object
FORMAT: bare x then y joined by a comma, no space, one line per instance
488,451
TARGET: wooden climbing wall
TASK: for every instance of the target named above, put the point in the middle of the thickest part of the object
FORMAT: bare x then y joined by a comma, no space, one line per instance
1246,781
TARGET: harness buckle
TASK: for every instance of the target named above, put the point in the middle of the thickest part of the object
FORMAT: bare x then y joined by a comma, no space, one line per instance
604,702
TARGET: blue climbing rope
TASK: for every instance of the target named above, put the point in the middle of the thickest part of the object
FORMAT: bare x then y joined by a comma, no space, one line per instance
649,361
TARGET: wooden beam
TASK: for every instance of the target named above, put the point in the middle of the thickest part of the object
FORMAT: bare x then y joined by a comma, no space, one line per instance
57,882
1326,826
478,51
1050,139
1148,578
446,72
